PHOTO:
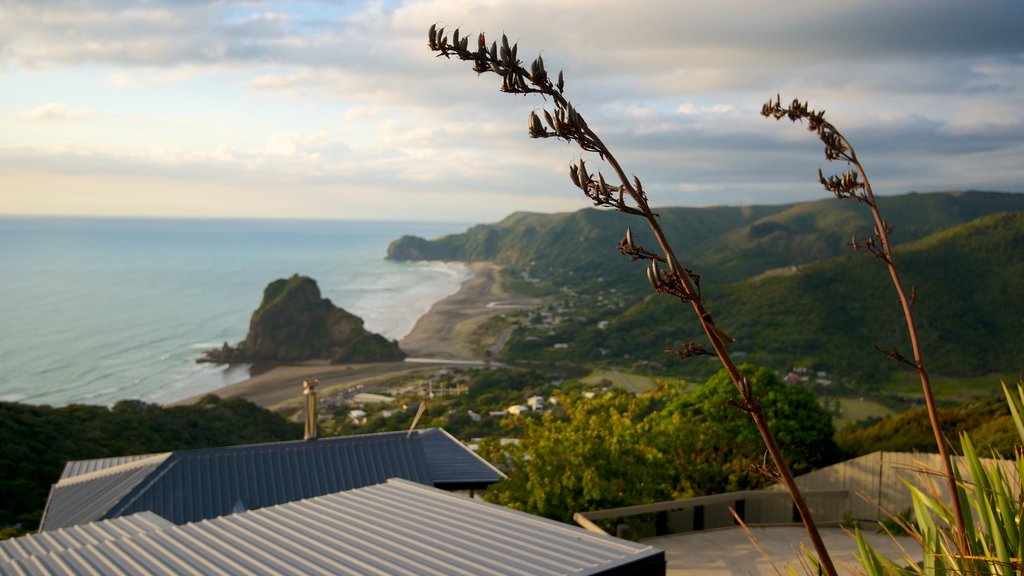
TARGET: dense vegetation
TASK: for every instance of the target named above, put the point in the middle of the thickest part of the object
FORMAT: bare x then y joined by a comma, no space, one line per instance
38,440
619,449
987,421
723,244
828,315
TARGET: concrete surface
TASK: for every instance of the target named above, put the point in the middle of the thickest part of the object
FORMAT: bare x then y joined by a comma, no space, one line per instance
729,551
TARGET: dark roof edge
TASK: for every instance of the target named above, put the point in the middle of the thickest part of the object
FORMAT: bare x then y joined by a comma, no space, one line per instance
651,564
500,474
46,509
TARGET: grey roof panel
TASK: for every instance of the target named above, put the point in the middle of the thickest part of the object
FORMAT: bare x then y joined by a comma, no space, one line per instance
208,483
397,527
87,497
191,485
452,464
80,535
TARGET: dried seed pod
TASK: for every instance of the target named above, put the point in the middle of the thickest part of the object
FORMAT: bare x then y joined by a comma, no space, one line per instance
432,37
583,176
561,82
536,128
651,277
602,188
629,237
573,176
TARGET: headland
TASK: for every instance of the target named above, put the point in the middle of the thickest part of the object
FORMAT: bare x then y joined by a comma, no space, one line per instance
444,335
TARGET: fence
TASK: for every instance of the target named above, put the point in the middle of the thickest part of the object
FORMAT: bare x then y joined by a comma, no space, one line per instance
868,488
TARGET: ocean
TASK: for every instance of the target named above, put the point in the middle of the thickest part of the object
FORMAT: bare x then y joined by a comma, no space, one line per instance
96,310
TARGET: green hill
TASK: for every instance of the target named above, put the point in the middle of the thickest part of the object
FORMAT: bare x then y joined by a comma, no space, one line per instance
724,244
781,279
831,314
38,440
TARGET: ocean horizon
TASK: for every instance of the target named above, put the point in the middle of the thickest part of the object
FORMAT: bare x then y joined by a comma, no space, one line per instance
97,310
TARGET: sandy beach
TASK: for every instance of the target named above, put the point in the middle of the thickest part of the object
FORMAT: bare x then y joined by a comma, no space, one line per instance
443,336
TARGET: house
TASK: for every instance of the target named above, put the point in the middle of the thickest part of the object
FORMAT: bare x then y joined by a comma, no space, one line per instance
192,485
517,409
394,527
535,402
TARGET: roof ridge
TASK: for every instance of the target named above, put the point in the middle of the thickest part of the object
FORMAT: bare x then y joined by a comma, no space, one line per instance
87,476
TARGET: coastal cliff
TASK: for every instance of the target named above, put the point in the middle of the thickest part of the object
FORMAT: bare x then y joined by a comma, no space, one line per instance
295,323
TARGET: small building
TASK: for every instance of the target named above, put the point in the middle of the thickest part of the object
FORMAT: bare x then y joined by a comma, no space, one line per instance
357,416
517,409
535,403
192,485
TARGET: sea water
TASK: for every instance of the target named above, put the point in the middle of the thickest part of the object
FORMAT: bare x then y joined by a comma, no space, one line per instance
96,310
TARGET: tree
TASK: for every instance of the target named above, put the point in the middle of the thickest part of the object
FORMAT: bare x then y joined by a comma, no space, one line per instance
617,449
722,450
598,455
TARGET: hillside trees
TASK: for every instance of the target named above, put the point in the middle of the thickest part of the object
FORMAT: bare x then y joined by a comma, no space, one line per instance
38,440
675,442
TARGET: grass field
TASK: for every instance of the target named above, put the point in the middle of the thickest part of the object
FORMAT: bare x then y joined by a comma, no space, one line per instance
630,382
854,409
951,390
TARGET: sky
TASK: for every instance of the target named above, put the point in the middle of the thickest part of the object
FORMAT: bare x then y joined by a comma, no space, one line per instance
337,109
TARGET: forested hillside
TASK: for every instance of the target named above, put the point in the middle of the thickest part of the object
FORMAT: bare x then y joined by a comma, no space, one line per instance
782,280
722,243
38,440
832,314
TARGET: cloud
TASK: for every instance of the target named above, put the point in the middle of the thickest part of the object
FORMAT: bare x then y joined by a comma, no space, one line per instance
57,112
315,92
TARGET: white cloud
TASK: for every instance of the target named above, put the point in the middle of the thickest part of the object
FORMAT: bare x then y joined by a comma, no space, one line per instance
57,112
313,91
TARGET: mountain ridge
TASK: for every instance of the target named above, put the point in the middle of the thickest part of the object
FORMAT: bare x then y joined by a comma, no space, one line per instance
784,282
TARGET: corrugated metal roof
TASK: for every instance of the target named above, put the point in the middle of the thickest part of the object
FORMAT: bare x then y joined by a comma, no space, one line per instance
451,464
80,536
191,485
89,496
398,527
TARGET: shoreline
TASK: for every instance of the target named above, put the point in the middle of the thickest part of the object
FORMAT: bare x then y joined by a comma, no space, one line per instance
441,337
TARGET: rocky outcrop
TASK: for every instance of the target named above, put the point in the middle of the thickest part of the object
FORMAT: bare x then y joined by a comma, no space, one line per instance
295,323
